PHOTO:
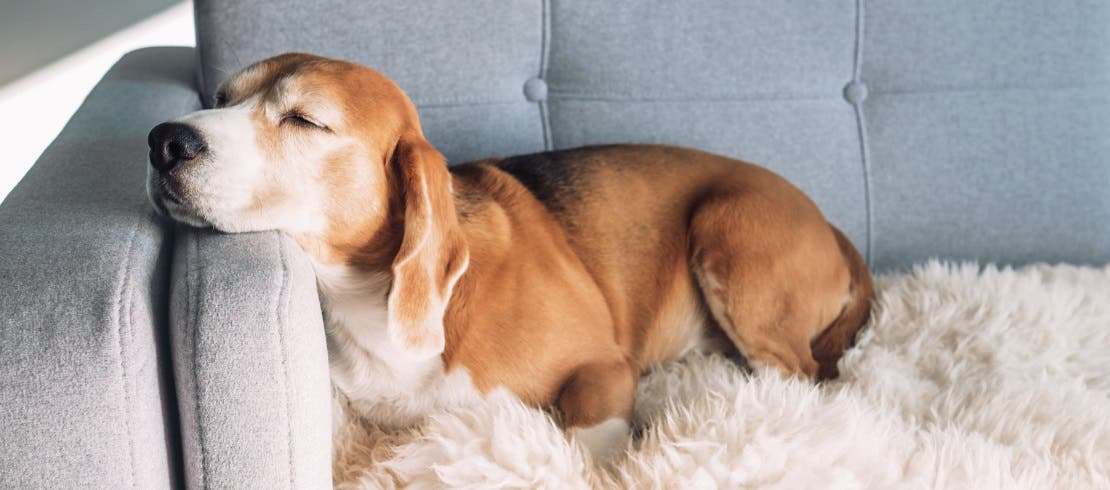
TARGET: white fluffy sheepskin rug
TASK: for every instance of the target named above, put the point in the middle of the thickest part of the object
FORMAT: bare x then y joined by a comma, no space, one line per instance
965,378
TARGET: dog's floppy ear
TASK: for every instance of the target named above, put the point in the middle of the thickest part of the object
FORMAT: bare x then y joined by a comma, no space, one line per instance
433,253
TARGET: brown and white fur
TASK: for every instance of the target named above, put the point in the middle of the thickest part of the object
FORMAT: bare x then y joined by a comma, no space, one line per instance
558,276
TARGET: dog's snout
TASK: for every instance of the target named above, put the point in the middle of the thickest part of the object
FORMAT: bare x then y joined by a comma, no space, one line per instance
173,143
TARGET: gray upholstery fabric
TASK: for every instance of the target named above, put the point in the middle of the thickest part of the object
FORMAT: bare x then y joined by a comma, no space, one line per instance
755,80
464,63
988,124
85,395
250,362
961,130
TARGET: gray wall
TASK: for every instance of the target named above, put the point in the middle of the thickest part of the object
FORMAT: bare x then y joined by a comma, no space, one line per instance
34,33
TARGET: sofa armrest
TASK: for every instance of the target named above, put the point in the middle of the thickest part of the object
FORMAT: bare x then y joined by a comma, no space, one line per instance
250,361
85,393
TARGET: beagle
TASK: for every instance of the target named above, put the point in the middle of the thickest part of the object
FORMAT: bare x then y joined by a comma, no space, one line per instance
560,276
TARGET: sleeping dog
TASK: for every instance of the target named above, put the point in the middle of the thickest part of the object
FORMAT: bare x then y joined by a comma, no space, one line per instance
559,276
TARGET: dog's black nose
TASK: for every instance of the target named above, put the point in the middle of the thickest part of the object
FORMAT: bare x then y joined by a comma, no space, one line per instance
173,143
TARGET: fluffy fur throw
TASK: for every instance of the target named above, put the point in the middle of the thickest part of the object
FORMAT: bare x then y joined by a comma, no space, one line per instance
965,378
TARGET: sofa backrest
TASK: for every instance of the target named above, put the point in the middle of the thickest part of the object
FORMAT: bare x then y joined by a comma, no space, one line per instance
954,129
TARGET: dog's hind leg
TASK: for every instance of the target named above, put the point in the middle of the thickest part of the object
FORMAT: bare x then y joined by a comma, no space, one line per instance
596,404
830,345
772,275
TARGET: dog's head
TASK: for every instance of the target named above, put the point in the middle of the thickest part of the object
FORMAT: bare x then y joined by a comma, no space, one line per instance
332,153
289,143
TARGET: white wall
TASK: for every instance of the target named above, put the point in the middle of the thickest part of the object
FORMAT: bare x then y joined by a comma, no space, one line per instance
33,109
35,33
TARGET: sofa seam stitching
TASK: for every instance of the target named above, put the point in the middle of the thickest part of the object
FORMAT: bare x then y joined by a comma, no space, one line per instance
861,128
121,319
982,90
657,97
861,125
131,341
281,310
192,293
545,48
435,103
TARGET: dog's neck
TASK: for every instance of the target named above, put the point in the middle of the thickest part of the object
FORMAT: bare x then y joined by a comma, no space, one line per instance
354,272
371,377
353,268
354,307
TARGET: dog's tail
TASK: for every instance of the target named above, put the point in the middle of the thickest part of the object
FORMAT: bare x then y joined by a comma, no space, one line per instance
831,343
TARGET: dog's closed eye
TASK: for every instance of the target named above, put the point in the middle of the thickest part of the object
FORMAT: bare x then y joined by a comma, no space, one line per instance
301,119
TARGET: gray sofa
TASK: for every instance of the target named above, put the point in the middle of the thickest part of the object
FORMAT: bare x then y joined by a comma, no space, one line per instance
139,354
